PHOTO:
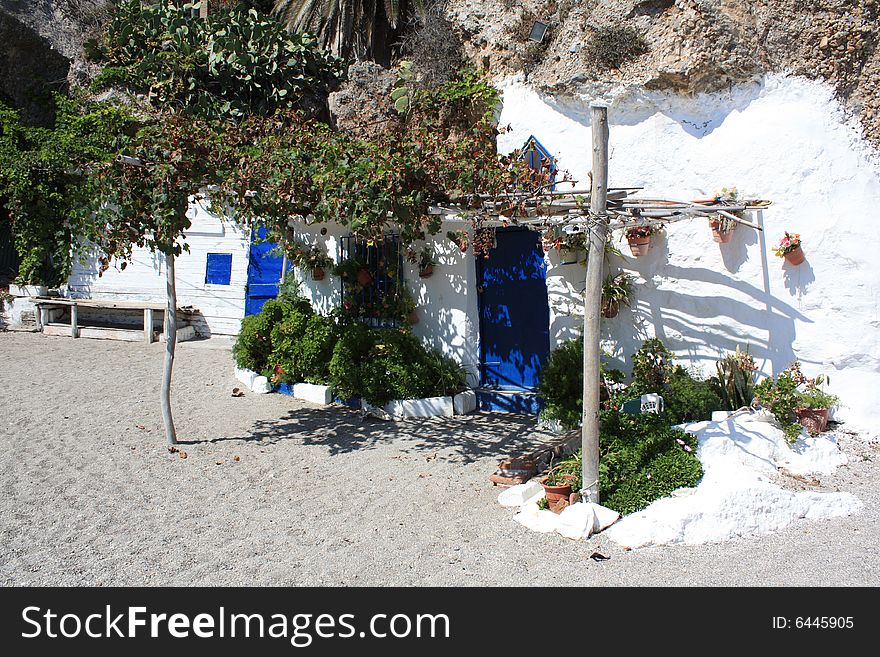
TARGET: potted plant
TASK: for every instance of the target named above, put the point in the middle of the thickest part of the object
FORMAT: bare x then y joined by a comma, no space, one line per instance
722,228
616,290
562,482
354,271
426,261
311,258
815,405
461,239
639,238
796,401
789,247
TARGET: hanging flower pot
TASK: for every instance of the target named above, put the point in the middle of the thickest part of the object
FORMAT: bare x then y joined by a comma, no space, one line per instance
610,308
364,278
795,256
318,273
639,245
426,271
413,317
721,232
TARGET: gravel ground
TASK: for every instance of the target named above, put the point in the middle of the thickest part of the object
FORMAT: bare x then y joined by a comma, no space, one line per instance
278,492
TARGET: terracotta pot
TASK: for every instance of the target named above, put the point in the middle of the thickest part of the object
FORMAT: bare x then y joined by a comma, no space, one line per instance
518,467
463,247
318,273
639,245
722,236
426,272
556,493
364,278
814,420
610,308
795,256
413,317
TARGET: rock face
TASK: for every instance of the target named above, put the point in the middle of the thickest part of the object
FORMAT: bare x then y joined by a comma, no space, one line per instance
362,106
693,45
40,50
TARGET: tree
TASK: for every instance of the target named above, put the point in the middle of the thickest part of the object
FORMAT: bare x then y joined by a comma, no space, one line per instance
199,78
350,29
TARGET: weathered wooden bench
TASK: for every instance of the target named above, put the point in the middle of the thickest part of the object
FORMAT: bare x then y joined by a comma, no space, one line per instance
44,304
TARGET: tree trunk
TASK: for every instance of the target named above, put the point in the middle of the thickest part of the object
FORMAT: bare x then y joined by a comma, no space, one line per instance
170,344
598,226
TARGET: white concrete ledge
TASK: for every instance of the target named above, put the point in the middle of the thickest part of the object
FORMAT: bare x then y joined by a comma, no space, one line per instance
426,407
313,393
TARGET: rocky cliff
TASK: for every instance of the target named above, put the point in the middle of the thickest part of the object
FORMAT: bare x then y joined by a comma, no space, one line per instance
690,46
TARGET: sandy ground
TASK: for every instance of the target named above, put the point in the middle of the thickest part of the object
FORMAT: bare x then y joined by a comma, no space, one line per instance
91,495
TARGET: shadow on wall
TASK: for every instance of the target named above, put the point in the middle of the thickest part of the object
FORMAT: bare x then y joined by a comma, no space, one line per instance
735,253
462,438
698,116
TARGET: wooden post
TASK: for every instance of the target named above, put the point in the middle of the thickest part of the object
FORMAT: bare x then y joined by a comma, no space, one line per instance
170,344
598,227
74,321
148,325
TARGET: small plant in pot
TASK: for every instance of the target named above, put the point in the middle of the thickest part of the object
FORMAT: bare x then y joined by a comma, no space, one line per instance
562,484
426,262
722,228
461,239
789,247
815,405
354,271
310,258
639,237
615,291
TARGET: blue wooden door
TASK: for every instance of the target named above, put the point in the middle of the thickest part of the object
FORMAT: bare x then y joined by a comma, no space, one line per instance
264,273
514,313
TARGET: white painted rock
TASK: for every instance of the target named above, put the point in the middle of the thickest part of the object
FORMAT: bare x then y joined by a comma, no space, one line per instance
521,494
605,517
536,519
261,385
577,521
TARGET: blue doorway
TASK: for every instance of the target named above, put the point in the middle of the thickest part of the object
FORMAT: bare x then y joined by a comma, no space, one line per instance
264,273
514,321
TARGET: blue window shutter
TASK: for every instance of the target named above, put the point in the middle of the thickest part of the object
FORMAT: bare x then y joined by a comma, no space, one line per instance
219,269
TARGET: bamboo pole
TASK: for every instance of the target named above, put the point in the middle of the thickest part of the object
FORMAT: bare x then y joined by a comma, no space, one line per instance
592,302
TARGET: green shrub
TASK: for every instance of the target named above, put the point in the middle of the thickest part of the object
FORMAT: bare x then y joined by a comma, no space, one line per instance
379,365
687,399
643,459
253,347
287,336
562,384
652,365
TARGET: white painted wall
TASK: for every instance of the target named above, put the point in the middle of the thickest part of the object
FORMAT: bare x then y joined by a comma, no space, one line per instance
784,139
221,306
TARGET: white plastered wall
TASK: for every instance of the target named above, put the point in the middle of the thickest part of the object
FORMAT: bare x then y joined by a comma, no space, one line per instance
221,307
784,139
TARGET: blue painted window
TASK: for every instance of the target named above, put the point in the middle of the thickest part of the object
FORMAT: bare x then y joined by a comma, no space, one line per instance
539,158
219,269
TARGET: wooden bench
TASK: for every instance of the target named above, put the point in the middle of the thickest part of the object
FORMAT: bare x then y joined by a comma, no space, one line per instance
43,305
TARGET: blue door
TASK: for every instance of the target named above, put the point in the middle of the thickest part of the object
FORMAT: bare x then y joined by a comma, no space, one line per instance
514,313
264,273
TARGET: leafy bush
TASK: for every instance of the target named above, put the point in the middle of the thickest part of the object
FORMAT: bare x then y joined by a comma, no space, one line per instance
253,347
380,365
687,399
790,391
652,365
562,384
287,336
643,459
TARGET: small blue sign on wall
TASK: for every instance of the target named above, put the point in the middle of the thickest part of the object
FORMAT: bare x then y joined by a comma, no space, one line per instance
219,269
